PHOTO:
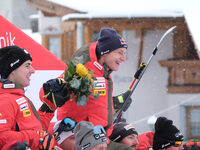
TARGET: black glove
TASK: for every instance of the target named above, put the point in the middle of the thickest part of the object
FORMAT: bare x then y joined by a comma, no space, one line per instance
48,142
56,93
120,100
22,146
19,146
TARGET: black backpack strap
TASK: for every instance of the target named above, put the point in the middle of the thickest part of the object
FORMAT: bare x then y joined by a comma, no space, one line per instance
35,112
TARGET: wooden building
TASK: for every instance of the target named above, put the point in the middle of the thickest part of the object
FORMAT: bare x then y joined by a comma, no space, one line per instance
78,28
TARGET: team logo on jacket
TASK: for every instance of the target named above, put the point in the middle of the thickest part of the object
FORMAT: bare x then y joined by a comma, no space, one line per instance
100,92
100,86
100,83
26,113
24,107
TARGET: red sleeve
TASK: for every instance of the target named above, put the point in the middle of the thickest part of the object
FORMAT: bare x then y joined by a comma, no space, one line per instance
30,136
45,118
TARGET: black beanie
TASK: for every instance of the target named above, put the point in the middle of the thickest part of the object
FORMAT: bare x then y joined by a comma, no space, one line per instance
121,130
165,134
12,57
108,41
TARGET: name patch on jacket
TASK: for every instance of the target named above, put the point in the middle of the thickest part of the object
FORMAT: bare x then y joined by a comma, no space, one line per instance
26,113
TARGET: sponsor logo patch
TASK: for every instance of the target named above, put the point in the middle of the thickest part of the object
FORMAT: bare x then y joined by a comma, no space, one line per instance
100,92
100,79
26,113
8,86
14,63
20,100
98,65
2,121
24,107
129,126
100,85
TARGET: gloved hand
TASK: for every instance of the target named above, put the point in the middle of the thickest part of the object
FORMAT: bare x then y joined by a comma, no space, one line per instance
63,129
55,93
16,145
48,142
120,100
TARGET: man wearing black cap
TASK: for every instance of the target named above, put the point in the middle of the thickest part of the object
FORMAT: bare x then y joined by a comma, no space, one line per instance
125,134
18,118
103,57
167,136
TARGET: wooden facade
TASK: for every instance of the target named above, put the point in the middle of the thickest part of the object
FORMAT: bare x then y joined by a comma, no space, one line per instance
184,76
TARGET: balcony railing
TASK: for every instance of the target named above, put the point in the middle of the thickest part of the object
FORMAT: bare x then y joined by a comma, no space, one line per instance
184,75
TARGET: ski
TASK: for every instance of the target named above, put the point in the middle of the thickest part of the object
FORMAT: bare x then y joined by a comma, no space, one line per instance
138,75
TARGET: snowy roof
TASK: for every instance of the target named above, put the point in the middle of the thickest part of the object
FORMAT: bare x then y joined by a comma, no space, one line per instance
135,14
193,22
137,8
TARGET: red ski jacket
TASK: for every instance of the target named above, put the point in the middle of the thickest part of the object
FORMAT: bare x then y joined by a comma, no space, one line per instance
17,118
98,111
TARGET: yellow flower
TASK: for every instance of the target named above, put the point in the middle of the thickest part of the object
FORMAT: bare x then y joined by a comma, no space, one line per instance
81,70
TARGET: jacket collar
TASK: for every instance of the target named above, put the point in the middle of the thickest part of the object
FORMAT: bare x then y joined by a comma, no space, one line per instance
7,86
93,57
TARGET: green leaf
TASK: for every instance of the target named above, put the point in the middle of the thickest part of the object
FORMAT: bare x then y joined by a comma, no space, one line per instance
71,67
94,78
91,72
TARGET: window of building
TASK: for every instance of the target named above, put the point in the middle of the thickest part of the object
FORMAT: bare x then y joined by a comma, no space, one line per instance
34,25
193,121
54,46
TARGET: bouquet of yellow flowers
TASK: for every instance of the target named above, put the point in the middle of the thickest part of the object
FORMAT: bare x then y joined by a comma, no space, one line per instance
80,81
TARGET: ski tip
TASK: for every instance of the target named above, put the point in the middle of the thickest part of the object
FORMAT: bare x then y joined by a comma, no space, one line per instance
172,28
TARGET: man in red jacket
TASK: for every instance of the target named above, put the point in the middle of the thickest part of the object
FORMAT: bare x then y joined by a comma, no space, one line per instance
18,118
103,57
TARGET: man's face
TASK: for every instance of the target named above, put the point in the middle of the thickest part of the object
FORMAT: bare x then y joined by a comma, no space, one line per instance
101,146
130,140
21,75
115,58
69,143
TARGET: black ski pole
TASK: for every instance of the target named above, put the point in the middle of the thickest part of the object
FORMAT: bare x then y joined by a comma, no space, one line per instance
138,75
